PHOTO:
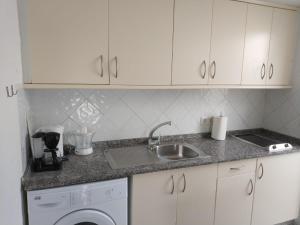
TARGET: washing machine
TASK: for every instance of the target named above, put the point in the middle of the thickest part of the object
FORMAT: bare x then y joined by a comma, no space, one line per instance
103,203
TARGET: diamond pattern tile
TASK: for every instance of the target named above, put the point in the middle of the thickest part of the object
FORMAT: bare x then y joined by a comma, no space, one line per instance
69,100
103,100
86,115
118,114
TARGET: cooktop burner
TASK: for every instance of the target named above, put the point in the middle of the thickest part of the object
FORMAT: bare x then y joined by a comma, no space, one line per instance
257,140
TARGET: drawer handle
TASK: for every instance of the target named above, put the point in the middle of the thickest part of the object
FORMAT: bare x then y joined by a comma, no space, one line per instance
252,187
261,167
184,183
173,185
236,168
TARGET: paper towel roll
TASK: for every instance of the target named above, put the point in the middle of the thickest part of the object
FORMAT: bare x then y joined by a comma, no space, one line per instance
219,128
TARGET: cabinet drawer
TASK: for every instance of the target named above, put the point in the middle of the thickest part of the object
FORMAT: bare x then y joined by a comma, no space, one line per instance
236,168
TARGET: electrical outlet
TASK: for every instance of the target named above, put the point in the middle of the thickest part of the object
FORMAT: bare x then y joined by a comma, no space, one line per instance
205,122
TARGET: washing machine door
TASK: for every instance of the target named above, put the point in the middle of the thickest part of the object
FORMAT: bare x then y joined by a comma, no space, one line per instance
86,217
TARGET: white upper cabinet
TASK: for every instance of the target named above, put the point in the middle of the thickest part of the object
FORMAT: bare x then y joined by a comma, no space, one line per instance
157,43
192,35
282,47
140,33
68,41
227,44
277,190
258,31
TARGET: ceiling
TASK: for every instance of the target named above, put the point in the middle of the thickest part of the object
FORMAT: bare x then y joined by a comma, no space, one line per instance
287,2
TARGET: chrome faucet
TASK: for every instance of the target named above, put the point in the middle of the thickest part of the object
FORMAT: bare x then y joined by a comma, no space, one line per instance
154,141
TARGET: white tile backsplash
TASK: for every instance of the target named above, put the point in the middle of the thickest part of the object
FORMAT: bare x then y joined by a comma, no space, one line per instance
119,114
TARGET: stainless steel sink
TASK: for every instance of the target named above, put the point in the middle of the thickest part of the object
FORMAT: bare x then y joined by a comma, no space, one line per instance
129,157
177,152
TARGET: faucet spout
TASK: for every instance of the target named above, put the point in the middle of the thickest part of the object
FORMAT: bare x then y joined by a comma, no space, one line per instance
156,141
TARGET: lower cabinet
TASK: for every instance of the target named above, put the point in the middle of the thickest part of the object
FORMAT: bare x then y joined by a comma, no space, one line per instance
235,191
234,200
264,191
182,197
277,191
153,199
196,195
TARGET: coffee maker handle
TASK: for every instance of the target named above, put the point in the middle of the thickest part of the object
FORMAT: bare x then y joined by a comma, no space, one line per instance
39,135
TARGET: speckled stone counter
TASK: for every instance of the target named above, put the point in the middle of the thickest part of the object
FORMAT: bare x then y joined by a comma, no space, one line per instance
95,167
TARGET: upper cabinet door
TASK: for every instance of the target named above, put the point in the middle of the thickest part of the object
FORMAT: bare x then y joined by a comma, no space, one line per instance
192,35
68,41
140,33
227,44
257,41
282,47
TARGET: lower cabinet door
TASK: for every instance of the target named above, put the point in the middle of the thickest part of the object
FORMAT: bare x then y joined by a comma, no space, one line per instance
234,200
153,199
196,188
277,191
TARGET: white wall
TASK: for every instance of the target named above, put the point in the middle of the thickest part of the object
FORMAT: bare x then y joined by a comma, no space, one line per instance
10,147
129,114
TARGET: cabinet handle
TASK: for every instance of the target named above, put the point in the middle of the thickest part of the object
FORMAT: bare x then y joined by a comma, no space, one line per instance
116,60
213,65
101,66
263,71
252,187
203,64
271,72
173,185
237,168
261,167
184,183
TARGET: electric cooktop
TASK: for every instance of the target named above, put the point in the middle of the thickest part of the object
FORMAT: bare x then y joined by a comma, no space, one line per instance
257,140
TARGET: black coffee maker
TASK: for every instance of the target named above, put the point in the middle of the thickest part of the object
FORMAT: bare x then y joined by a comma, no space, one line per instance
52,162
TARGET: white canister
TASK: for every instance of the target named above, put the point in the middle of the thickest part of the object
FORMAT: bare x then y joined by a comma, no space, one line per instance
219,128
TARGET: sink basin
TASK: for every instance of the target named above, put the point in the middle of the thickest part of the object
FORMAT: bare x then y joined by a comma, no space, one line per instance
133,156
176,151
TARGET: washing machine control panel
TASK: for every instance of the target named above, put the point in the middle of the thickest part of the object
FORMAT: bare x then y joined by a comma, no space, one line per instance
49,202
94,195
76,196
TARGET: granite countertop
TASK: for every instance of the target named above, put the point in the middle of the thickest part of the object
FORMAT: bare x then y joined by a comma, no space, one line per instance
95,167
